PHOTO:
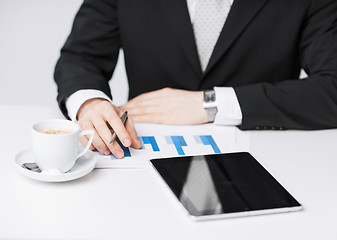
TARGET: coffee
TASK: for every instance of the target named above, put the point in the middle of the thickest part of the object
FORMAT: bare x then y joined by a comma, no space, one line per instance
55,131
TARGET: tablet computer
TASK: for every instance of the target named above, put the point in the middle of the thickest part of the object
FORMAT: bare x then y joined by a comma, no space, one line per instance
224,186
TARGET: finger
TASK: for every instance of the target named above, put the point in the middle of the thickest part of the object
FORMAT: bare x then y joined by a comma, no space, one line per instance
99,143
86,125
105,135
84,141
103,130
116,150
116,123
133,134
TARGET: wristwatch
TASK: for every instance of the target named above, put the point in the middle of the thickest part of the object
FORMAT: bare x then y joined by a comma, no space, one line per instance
210,104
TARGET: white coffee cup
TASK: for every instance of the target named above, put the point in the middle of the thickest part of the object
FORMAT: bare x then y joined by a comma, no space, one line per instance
58,151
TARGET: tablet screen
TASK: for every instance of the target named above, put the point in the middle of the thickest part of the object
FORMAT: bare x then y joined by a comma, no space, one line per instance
222,184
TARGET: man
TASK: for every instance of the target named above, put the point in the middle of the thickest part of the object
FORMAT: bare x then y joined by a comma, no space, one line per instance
250,50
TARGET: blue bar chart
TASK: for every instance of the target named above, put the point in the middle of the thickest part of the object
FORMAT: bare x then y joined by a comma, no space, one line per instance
159,142
207,140
149,140
178,142
150,145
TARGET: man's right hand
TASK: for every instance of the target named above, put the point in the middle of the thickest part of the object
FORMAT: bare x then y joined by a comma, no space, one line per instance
94,114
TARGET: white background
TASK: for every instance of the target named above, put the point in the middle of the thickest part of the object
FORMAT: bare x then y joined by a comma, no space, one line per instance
32,33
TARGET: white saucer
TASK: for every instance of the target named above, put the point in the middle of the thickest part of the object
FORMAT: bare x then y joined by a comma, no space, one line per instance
82,167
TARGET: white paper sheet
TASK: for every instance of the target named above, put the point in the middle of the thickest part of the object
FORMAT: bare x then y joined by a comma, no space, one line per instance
161,141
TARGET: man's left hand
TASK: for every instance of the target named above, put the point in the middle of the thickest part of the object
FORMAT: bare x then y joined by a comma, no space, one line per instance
168,106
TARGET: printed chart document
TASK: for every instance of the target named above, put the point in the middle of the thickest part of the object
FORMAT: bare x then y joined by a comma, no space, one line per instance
161,141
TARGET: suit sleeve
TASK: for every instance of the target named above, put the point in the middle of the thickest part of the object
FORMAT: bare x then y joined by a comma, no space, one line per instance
90,53
309,103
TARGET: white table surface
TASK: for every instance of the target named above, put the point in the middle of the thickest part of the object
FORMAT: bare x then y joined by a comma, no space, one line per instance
135,204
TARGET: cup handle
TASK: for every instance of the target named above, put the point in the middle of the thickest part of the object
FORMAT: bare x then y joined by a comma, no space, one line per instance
86,132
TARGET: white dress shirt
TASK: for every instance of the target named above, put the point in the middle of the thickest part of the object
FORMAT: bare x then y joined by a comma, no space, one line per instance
229,110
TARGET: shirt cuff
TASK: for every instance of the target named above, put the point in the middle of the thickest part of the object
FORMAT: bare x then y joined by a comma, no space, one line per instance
229,110
75,101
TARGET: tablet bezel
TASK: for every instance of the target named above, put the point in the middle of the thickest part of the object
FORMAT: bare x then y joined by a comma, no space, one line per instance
232,214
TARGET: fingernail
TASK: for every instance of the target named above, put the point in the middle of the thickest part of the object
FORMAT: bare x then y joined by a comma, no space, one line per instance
119,154
106,152
127,142
140,145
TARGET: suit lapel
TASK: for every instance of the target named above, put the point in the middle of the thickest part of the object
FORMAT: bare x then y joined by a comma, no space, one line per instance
178,17
240,15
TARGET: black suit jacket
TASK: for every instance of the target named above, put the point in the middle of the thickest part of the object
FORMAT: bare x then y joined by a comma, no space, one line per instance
260,51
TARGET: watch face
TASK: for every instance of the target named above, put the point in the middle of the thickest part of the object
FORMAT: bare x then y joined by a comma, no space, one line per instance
209,96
